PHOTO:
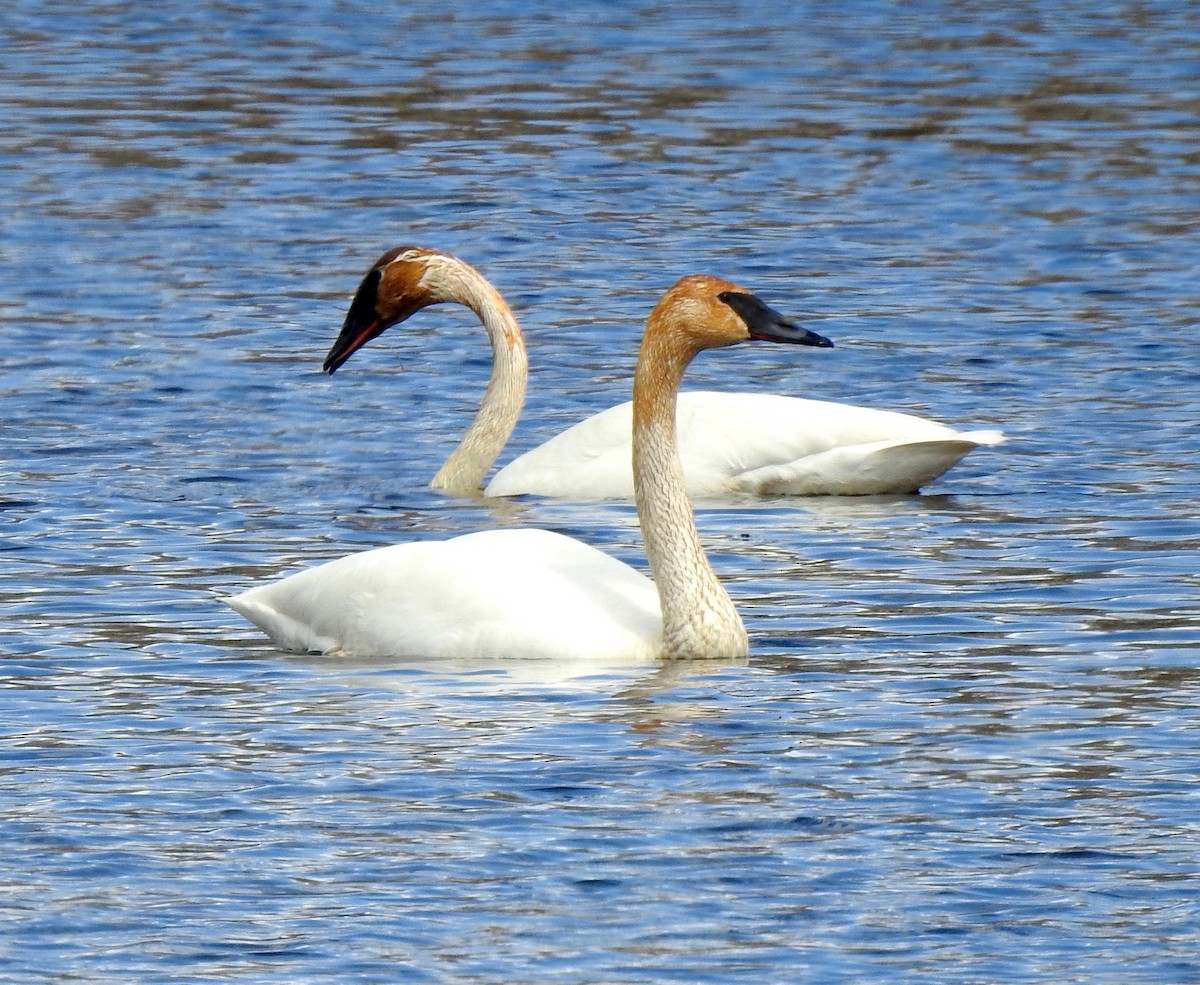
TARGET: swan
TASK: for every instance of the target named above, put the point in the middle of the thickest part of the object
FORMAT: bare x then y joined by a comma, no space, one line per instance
527,593
747,443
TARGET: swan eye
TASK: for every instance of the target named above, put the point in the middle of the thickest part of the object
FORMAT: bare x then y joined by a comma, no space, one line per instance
745,306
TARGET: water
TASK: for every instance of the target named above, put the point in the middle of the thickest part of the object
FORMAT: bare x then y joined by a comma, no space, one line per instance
964,747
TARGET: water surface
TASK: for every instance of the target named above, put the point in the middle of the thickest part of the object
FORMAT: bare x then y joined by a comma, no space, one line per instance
964,747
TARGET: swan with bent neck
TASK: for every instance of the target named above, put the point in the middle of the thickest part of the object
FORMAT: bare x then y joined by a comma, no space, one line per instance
745,443
523,593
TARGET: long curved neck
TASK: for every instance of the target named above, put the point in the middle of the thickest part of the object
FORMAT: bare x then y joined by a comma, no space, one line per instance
699,618
465,469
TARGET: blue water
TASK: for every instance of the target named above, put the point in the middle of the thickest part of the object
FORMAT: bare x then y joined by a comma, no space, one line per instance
965,745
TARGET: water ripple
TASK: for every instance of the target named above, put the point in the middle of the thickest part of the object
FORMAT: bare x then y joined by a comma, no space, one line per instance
968,718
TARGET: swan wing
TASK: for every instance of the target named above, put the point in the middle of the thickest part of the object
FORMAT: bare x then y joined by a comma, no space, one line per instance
870,469
771,445
502,594
764,444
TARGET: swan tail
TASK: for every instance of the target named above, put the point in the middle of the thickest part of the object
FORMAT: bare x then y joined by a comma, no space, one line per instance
290,634
981,438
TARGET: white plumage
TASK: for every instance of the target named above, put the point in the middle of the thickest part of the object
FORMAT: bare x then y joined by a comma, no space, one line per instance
752,443
503,594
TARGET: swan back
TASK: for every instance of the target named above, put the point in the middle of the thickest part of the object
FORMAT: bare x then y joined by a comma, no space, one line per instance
517,594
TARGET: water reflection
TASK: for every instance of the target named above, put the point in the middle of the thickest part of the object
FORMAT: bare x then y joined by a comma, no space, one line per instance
484,677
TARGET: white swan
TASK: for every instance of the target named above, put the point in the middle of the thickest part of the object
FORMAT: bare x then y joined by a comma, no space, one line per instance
758,444
537,594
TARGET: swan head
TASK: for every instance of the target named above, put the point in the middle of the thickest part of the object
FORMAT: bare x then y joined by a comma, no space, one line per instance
705,312
399,284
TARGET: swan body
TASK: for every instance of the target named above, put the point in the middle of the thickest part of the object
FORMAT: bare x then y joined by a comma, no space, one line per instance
755,444
504,594
750,443
537,594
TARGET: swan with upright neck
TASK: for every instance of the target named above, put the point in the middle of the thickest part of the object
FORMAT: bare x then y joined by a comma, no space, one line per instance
742,443
521,593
